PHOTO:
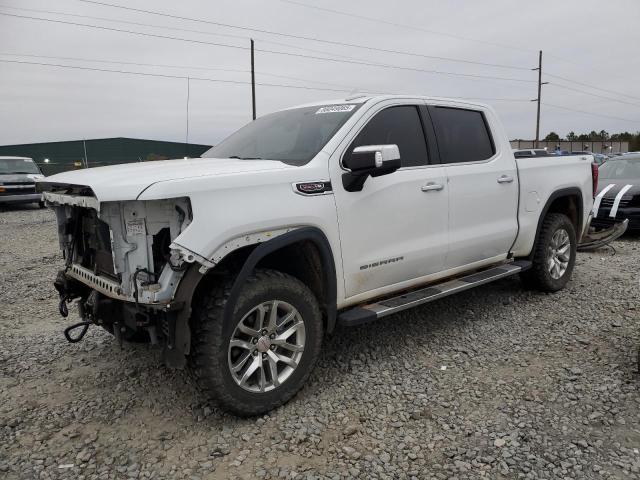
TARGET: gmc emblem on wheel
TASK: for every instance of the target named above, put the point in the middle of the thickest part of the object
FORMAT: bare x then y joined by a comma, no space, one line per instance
313,188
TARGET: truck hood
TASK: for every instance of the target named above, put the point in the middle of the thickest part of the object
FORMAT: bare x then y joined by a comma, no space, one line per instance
128,181
618,184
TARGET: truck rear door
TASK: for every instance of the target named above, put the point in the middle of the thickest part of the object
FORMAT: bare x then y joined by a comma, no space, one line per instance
483,184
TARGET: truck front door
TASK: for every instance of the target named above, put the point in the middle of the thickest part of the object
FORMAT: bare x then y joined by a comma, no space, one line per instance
394,230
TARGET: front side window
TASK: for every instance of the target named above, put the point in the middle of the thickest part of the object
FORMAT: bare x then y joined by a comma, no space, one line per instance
463,135
292,136
399,126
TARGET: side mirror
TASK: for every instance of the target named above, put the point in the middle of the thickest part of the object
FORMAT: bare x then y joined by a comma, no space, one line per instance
370,160
373,156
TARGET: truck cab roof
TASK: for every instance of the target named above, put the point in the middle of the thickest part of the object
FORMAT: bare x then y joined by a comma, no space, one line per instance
361,99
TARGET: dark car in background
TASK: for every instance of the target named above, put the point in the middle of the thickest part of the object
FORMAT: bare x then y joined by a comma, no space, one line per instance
618,194
18,177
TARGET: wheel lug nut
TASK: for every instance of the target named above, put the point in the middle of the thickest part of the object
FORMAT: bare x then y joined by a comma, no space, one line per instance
264,355
273,347
272,336
255,340
255,352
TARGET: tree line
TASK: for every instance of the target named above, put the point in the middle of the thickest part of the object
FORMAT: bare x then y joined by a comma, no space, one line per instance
601,136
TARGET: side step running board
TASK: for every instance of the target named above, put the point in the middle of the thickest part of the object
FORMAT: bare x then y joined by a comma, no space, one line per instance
382,308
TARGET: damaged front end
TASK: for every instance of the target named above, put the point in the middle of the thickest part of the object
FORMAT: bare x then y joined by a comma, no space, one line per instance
123,269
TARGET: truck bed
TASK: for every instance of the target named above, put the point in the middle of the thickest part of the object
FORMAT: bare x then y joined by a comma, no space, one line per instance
539,178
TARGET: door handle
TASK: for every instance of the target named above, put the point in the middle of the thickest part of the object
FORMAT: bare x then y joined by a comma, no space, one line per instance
505,179
431,186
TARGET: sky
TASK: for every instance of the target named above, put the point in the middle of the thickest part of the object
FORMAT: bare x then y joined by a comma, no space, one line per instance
592,45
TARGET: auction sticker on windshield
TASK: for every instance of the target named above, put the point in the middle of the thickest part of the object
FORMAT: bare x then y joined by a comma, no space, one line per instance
336,109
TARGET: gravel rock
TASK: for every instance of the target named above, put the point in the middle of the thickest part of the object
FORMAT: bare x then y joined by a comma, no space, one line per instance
536,386
350,430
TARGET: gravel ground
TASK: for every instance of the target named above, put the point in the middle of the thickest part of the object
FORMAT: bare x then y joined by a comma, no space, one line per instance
496,383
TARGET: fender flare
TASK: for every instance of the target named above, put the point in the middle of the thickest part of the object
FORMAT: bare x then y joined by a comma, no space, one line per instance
312,234
563,192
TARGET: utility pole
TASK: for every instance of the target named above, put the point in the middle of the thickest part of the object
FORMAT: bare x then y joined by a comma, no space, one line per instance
540,83
186,135
86,160
253,83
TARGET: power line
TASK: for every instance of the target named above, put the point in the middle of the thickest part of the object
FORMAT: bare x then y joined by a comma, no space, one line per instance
592,94
395,24
353,62
561,107
410,69
127,22
433,32
111,29
138,64
184,67
400,67
591,86
235,82
583,65
164,75
492,99
367,47
188,30
301,37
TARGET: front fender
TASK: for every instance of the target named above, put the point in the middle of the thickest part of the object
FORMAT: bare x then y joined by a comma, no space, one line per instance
312,234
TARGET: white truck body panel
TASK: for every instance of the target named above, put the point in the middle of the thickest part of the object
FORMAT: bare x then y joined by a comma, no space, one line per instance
377,225
420,235
482,208
539,178
129,180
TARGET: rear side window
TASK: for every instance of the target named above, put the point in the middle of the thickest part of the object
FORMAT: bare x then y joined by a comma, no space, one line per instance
463,135
399,126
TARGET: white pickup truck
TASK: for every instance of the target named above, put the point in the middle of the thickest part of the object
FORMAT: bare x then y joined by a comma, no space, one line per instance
335,213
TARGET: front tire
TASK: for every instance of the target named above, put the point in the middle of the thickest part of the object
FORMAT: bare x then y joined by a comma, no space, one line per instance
554,256
263,354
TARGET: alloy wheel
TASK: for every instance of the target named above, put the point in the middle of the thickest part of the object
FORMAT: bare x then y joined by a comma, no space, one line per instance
559,254
266,346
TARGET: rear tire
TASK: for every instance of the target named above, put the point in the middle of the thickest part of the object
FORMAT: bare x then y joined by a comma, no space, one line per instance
234,361
554,256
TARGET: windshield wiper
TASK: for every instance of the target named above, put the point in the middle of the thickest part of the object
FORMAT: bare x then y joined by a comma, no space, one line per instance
26,173
246,158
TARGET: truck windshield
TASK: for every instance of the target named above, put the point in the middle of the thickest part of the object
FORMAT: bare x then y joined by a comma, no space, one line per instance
292,136
18,165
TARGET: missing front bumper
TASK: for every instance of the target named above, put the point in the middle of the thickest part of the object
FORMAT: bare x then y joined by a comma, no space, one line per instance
592,240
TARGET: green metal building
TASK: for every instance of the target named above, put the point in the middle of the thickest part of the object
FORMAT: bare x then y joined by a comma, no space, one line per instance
55,157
